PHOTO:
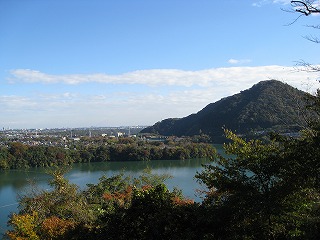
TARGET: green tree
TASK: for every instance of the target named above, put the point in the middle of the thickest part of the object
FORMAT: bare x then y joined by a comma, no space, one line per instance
36,156
266,190
102,154
243,187
18,151
153,213
24,227
64,200
5,158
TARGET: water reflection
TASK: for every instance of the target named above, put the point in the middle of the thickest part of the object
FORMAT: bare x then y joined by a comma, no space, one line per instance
14,182
19,179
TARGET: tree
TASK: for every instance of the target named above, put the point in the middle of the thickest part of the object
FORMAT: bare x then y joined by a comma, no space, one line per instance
306,7
24,227
63,201
152,212
4,158
18,151
244,188
57,228
270,189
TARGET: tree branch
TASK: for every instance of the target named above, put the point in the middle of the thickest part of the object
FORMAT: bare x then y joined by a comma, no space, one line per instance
305,7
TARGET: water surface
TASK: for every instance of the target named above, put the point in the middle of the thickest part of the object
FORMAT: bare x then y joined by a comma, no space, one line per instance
15,182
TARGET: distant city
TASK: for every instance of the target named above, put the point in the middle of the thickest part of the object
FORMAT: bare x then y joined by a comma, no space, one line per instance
59,136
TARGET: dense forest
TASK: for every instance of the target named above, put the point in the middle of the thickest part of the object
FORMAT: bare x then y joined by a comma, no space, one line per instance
18,155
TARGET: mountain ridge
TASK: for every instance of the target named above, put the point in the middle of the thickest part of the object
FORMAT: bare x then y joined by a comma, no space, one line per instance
269,104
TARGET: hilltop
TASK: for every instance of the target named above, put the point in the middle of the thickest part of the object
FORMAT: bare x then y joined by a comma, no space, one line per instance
267,106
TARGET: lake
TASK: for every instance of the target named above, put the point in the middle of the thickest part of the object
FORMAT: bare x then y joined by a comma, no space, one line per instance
15,182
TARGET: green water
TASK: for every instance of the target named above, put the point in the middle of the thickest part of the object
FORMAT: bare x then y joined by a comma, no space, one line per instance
15,182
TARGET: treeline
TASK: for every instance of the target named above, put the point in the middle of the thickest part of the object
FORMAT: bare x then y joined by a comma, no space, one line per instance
17,155
266,189
117,207
259,190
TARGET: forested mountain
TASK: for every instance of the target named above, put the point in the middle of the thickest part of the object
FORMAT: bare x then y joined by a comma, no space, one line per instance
259,190
268,105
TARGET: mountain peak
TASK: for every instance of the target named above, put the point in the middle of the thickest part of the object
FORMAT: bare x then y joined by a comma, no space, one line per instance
267,105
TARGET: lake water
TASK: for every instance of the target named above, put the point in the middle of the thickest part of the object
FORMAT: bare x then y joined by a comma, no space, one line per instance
15,182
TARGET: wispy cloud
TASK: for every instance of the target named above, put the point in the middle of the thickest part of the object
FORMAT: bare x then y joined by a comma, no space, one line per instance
13,102
264,2
166,77
178,94
238,61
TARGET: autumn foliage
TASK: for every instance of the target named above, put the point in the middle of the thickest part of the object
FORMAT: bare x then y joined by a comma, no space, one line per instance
260,189
25,227
55,228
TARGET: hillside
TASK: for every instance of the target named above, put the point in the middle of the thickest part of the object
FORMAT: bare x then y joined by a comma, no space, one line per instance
267,105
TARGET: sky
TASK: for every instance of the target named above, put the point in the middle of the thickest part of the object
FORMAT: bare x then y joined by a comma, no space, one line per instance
103,63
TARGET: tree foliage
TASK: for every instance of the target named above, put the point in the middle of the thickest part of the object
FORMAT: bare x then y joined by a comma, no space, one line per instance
24,227
268,105
268,190
261,190
19,155
99,212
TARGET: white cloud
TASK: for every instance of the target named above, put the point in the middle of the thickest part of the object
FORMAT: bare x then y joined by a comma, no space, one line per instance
282,1
233,61
264,2
169,77
238,61
294,6
259,4
125,108
12,102
180,93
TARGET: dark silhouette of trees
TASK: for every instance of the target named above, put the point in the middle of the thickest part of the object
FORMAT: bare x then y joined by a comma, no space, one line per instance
19,155
268,190
306,7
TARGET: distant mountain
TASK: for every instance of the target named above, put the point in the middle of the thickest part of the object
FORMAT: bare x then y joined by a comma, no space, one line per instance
268,105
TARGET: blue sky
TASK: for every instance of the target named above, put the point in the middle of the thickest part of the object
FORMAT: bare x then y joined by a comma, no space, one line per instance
82,63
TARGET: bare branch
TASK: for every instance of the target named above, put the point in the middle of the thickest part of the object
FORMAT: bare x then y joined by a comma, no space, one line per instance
305,7
313,26
307,67
294,20
312,39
